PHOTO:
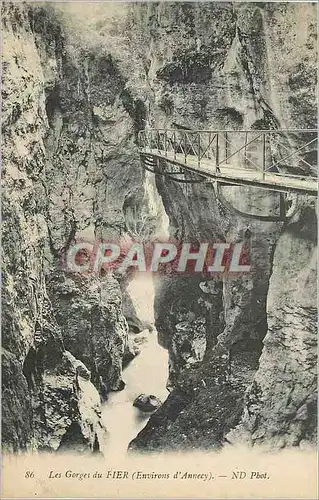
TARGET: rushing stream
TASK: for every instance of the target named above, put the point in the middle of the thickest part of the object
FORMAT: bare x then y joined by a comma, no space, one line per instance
147,373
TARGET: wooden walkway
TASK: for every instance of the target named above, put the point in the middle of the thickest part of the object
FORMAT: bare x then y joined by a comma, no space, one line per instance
235,161
228,174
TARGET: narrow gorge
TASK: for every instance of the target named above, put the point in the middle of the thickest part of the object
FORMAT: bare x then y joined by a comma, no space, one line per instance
232,359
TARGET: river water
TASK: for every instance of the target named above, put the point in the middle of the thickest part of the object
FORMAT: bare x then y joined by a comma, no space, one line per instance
147,373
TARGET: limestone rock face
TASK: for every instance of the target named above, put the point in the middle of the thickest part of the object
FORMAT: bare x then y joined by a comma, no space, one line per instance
68,128
71,406
17,428
92,324
281,403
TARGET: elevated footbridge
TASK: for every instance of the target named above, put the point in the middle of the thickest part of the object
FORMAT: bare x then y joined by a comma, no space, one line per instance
284,161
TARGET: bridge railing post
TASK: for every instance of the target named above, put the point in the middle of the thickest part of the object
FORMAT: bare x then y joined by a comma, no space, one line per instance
174,144
165,142
150,140
153,139
198,146
217,153
226,147
264,154
245,150
185,146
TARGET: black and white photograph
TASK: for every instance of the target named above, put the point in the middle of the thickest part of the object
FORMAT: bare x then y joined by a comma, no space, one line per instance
159,249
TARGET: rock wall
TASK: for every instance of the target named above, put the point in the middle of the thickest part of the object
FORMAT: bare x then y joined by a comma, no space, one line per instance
69,130
281,408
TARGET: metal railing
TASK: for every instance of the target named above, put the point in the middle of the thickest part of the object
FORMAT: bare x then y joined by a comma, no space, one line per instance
291,153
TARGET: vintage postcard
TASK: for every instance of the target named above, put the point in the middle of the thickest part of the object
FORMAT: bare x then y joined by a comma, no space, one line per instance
159,249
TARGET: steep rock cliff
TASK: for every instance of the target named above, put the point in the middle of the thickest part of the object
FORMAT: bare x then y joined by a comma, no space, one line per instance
281,408
69,131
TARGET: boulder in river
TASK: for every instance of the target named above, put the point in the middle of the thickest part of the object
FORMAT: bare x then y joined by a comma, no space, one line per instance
147,403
